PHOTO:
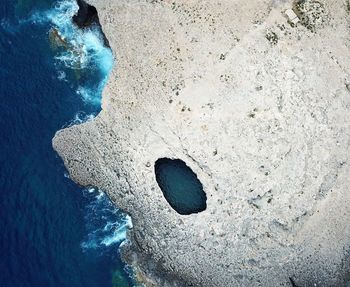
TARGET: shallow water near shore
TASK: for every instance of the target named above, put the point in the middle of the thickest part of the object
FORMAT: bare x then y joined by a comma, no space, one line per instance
53,233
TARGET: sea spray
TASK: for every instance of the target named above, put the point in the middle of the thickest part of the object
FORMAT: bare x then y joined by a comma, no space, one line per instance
79,118
81,51
43,220
107,226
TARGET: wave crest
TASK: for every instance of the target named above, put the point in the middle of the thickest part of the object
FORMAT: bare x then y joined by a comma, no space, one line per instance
107,225
80,50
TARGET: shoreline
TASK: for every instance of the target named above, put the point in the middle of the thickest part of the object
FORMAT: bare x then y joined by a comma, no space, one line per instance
199,90
88,17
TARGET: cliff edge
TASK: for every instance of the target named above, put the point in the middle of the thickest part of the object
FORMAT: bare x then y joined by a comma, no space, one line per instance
258,107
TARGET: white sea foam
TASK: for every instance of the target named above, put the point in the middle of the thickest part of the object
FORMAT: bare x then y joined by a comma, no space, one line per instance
119,233
88,95
61,76
90,190
106,224
85,48
101,196
79,118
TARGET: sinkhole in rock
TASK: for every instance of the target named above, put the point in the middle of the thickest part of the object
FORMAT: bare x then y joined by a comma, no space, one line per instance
180,186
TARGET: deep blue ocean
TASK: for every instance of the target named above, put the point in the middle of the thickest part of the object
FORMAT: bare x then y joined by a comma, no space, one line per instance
52,232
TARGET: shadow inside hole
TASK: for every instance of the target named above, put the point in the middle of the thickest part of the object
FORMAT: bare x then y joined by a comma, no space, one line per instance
180,186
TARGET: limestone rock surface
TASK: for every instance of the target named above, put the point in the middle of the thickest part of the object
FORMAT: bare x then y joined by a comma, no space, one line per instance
257,107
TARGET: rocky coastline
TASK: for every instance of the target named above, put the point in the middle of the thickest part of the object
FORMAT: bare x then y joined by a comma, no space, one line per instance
256,106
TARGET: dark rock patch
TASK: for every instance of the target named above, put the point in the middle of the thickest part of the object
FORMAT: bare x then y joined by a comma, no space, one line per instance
87,17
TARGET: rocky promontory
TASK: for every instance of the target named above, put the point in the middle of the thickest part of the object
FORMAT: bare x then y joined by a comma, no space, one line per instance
257,104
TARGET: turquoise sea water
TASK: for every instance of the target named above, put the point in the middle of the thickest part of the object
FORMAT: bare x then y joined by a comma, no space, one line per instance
52,232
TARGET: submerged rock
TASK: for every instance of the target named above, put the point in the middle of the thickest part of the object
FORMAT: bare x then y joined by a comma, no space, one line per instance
264,126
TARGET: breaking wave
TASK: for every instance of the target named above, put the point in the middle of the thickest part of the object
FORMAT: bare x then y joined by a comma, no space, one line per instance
79,50
82,117
88,94
107,226
81,53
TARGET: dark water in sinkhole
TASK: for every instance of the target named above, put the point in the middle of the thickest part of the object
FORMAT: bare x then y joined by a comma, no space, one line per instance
180,186
52,232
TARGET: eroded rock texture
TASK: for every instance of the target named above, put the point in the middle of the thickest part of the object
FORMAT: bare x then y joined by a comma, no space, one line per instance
258,109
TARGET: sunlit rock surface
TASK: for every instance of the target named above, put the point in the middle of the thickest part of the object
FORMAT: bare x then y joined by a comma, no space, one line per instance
257,107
